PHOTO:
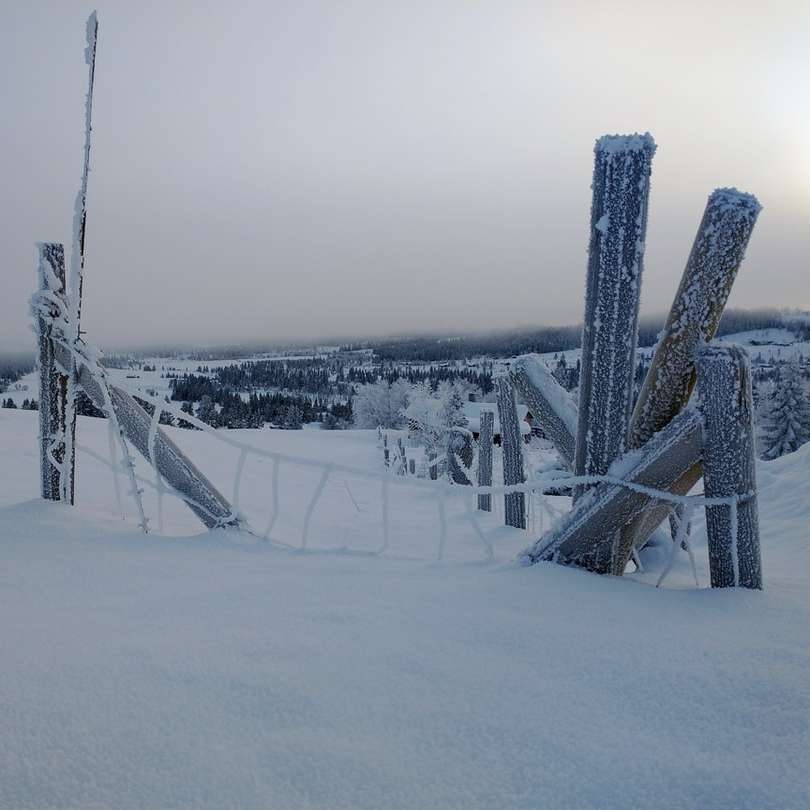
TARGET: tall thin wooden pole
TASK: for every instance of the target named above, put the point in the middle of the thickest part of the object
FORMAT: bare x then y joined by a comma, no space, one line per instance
514,503
729,471
621,184
53,382
487,421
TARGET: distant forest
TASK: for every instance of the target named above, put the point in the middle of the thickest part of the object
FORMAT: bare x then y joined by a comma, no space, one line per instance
509,343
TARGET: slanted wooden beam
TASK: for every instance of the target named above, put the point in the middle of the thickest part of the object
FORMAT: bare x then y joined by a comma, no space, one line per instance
580,536
179,472
551,405
711,268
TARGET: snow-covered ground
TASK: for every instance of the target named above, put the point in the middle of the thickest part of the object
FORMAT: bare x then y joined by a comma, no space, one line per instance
214,671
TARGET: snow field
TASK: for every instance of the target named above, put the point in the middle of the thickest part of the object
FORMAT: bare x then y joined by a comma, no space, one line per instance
210,671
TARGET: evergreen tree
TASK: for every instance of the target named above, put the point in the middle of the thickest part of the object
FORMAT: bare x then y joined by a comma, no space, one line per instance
787,415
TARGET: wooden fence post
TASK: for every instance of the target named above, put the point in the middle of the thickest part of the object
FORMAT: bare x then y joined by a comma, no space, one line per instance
586,535
711,268
433,470
724,385
53,384
621,184
460,449
514,503
487,422
551,405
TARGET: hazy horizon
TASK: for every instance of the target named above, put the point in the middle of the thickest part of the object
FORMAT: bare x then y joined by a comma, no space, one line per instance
280,172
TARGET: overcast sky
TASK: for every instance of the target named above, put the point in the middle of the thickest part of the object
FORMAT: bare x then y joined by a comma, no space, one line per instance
296,169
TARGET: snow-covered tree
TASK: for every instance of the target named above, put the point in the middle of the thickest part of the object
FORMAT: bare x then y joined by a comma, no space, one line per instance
786,416
381,404
430,416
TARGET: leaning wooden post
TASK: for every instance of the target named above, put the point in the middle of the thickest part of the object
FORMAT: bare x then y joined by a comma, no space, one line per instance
711,268
53,382
514,502
621,185
550,404
487,423
585,535
724,385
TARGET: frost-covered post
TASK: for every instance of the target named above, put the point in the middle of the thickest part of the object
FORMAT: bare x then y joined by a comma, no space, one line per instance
551,405
487,423
586,535
433,471
711,268
53,382
621,185
724,385
514,502
402,457
459,449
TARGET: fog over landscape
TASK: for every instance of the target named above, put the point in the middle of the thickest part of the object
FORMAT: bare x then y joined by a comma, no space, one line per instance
320,169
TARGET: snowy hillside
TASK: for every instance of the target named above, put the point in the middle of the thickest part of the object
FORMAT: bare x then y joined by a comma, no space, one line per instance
213,671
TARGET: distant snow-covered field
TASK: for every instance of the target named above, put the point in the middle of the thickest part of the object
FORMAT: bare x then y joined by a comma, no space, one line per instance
213,671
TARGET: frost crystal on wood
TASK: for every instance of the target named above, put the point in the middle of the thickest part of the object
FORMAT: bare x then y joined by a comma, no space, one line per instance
514,502
714,260
53,383
586,534
550,404
621,183
177,470
724,385
487,422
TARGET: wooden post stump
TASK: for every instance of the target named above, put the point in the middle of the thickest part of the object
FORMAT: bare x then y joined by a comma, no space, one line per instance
485,435
724,385
511,443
